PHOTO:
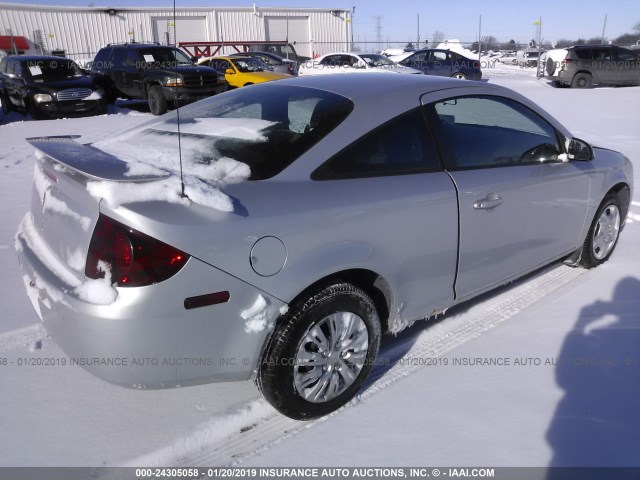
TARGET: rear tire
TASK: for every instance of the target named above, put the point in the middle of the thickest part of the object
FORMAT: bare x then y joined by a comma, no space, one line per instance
582,80
459,75
157,102
603,233
321,352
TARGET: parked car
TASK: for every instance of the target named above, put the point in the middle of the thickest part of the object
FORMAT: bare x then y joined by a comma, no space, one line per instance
353,63
275,62
305,218
444,63
241,71
47,87
284,50
583,66
163,75
509,58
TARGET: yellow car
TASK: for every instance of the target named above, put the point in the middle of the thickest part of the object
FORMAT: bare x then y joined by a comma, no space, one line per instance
242,71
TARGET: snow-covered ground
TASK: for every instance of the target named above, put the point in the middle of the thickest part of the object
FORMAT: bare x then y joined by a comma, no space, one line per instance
541,373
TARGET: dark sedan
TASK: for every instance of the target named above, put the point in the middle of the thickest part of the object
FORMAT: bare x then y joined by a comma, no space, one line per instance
273,61
444,63
47,87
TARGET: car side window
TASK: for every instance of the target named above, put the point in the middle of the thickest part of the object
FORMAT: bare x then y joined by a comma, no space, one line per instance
332,61
119,54
132,59
399,147
489,131
102,58
625,55
438,56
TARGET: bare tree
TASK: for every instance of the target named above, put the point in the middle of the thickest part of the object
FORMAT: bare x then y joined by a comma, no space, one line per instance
438,37
490,42
636,27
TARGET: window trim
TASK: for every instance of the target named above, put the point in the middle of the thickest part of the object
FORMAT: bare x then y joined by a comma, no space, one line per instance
321,173
443,143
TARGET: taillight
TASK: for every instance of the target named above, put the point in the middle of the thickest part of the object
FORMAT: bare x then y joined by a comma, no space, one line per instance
135,259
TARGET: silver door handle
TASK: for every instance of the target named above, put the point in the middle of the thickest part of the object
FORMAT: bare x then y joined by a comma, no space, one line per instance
490,202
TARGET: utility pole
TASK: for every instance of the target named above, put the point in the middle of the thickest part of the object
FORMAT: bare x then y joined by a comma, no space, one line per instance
418,43
480,38
603,28
379,31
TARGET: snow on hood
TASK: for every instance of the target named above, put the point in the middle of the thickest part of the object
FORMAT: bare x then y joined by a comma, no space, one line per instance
158,147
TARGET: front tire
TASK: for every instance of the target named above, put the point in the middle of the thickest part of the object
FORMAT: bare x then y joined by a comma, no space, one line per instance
6,106
33,111
157,102
321,352
603,233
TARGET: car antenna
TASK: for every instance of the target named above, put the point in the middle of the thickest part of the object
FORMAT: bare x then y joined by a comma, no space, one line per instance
175,68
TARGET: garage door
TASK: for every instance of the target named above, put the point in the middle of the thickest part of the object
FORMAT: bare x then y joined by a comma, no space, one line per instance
296,29
188,29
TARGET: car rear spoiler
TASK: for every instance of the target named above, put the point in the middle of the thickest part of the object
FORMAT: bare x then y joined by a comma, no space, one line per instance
87,160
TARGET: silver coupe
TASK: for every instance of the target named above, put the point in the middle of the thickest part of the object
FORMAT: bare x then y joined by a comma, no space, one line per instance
275,232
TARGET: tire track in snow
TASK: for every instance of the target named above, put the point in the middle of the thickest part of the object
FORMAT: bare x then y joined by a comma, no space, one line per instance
258,435
22,337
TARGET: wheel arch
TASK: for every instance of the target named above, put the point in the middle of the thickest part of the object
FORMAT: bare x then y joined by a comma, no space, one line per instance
586,72
148,84
369,281
623,191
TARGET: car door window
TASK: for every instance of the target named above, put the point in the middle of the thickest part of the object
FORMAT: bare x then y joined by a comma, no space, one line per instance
439,56
487,131
331,61
119,56
401,146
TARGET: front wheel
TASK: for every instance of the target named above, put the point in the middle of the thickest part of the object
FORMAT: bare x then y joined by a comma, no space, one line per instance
321,352
157,102
603,233
4,98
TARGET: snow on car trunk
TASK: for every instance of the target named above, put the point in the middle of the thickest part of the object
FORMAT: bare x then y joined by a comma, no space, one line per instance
59,226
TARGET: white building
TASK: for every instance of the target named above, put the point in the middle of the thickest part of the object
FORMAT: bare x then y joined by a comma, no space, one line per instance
81,31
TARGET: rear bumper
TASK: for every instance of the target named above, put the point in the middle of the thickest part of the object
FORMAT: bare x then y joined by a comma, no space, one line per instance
146,338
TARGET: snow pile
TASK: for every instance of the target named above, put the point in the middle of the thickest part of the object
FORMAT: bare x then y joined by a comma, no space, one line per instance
156,149
98,291
42,186
455,46
257,316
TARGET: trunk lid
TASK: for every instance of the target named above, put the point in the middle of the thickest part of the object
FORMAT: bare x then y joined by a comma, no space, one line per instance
64,213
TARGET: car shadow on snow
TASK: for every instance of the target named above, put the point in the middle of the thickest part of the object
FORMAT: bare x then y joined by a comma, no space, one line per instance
597,422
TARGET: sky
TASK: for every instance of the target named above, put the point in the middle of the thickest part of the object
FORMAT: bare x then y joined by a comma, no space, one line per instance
459,19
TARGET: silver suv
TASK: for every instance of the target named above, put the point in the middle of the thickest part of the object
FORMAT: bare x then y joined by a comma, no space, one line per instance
586,65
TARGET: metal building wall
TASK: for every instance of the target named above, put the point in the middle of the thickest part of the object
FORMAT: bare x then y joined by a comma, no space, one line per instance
82,31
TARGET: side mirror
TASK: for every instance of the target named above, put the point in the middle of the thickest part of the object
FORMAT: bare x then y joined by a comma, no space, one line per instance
229,71
579,150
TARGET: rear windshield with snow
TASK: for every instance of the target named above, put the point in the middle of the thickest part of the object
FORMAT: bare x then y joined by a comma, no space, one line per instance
266,127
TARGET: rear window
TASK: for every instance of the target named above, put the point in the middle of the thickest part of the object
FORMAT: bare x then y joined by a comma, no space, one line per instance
266,127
